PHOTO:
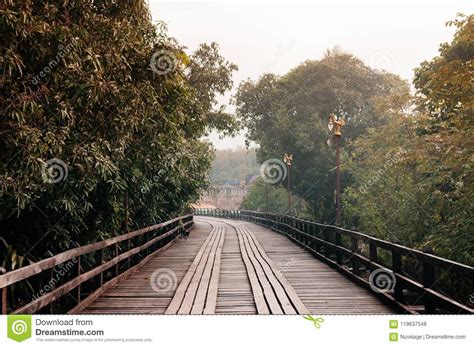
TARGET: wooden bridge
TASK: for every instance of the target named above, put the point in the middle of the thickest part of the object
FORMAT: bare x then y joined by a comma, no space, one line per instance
238,262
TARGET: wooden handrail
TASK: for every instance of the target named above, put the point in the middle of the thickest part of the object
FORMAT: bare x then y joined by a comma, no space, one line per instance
30,270
419,255
325,242
13,277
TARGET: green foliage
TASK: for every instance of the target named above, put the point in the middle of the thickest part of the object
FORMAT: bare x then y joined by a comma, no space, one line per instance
77,85
233,166
210,74
256,200
289,114
407,177
424,199
444,84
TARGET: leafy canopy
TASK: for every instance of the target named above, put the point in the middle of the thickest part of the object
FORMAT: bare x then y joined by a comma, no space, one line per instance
78,86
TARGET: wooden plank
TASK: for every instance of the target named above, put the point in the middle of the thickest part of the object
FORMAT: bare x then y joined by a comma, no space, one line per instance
4,300
234,294
259,298
453,266
211,301
280,293
352,304
183,286
290,291
114,281
25,272
136,294
321,289
272,274
192,289
270,297
201,294
55,294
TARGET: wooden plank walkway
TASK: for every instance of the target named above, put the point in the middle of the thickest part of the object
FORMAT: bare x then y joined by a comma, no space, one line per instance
235,267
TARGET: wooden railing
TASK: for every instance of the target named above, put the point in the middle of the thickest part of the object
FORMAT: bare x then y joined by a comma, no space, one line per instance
415,273
85,272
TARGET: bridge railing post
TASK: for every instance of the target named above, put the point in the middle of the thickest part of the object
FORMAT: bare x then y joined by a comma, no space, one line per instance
303,229
116,254
52,274
428,281
99,258
373,252
317,234
338,243
288,230
397,269
327,250
295,234
4,300
355,250
77,274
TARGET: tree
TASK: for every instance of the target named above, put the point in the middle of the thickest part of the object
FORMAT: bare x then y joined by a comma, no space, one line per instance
289,114
444,84
233,166
256,200
96,88
423,199
210,74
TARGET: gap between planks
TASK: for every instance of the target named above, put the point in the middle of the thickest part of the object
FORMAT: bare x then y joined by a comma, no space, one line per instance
197,292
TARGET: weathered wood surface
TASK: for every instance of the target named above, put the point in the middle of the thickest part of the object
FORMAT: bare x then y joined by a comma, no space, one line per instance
236,267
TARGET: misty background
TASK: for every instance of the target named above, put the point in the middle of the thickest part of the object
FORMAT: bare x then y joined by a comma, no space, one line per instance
395,37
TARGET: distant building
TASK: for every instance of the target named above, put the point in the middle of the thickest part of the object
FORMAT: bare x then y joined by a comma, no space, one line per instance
225,197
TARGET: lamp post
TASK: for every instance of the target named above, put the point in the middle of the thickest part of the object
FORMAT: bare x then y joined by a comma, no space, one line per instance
287,159
335,124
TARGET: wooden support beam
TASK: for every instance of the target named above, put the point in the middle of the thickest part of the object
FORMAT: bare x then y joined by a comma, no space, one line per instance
428,281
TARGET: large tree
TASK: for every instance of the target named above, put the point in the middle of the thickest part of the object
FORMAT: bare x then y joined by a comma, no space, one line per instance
413,178
96,88
289,114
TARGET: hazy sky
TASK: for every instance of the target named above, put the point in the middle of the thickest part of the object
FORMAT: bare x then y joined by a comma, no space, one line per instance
266,36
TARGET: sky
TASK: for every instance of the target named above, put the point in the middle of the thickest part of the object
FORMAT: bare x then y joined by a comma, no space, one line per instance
269,36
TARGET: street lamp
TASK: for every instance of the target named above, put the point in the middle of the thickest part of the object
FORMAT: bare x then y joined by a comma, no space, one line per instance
335,124
287,159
